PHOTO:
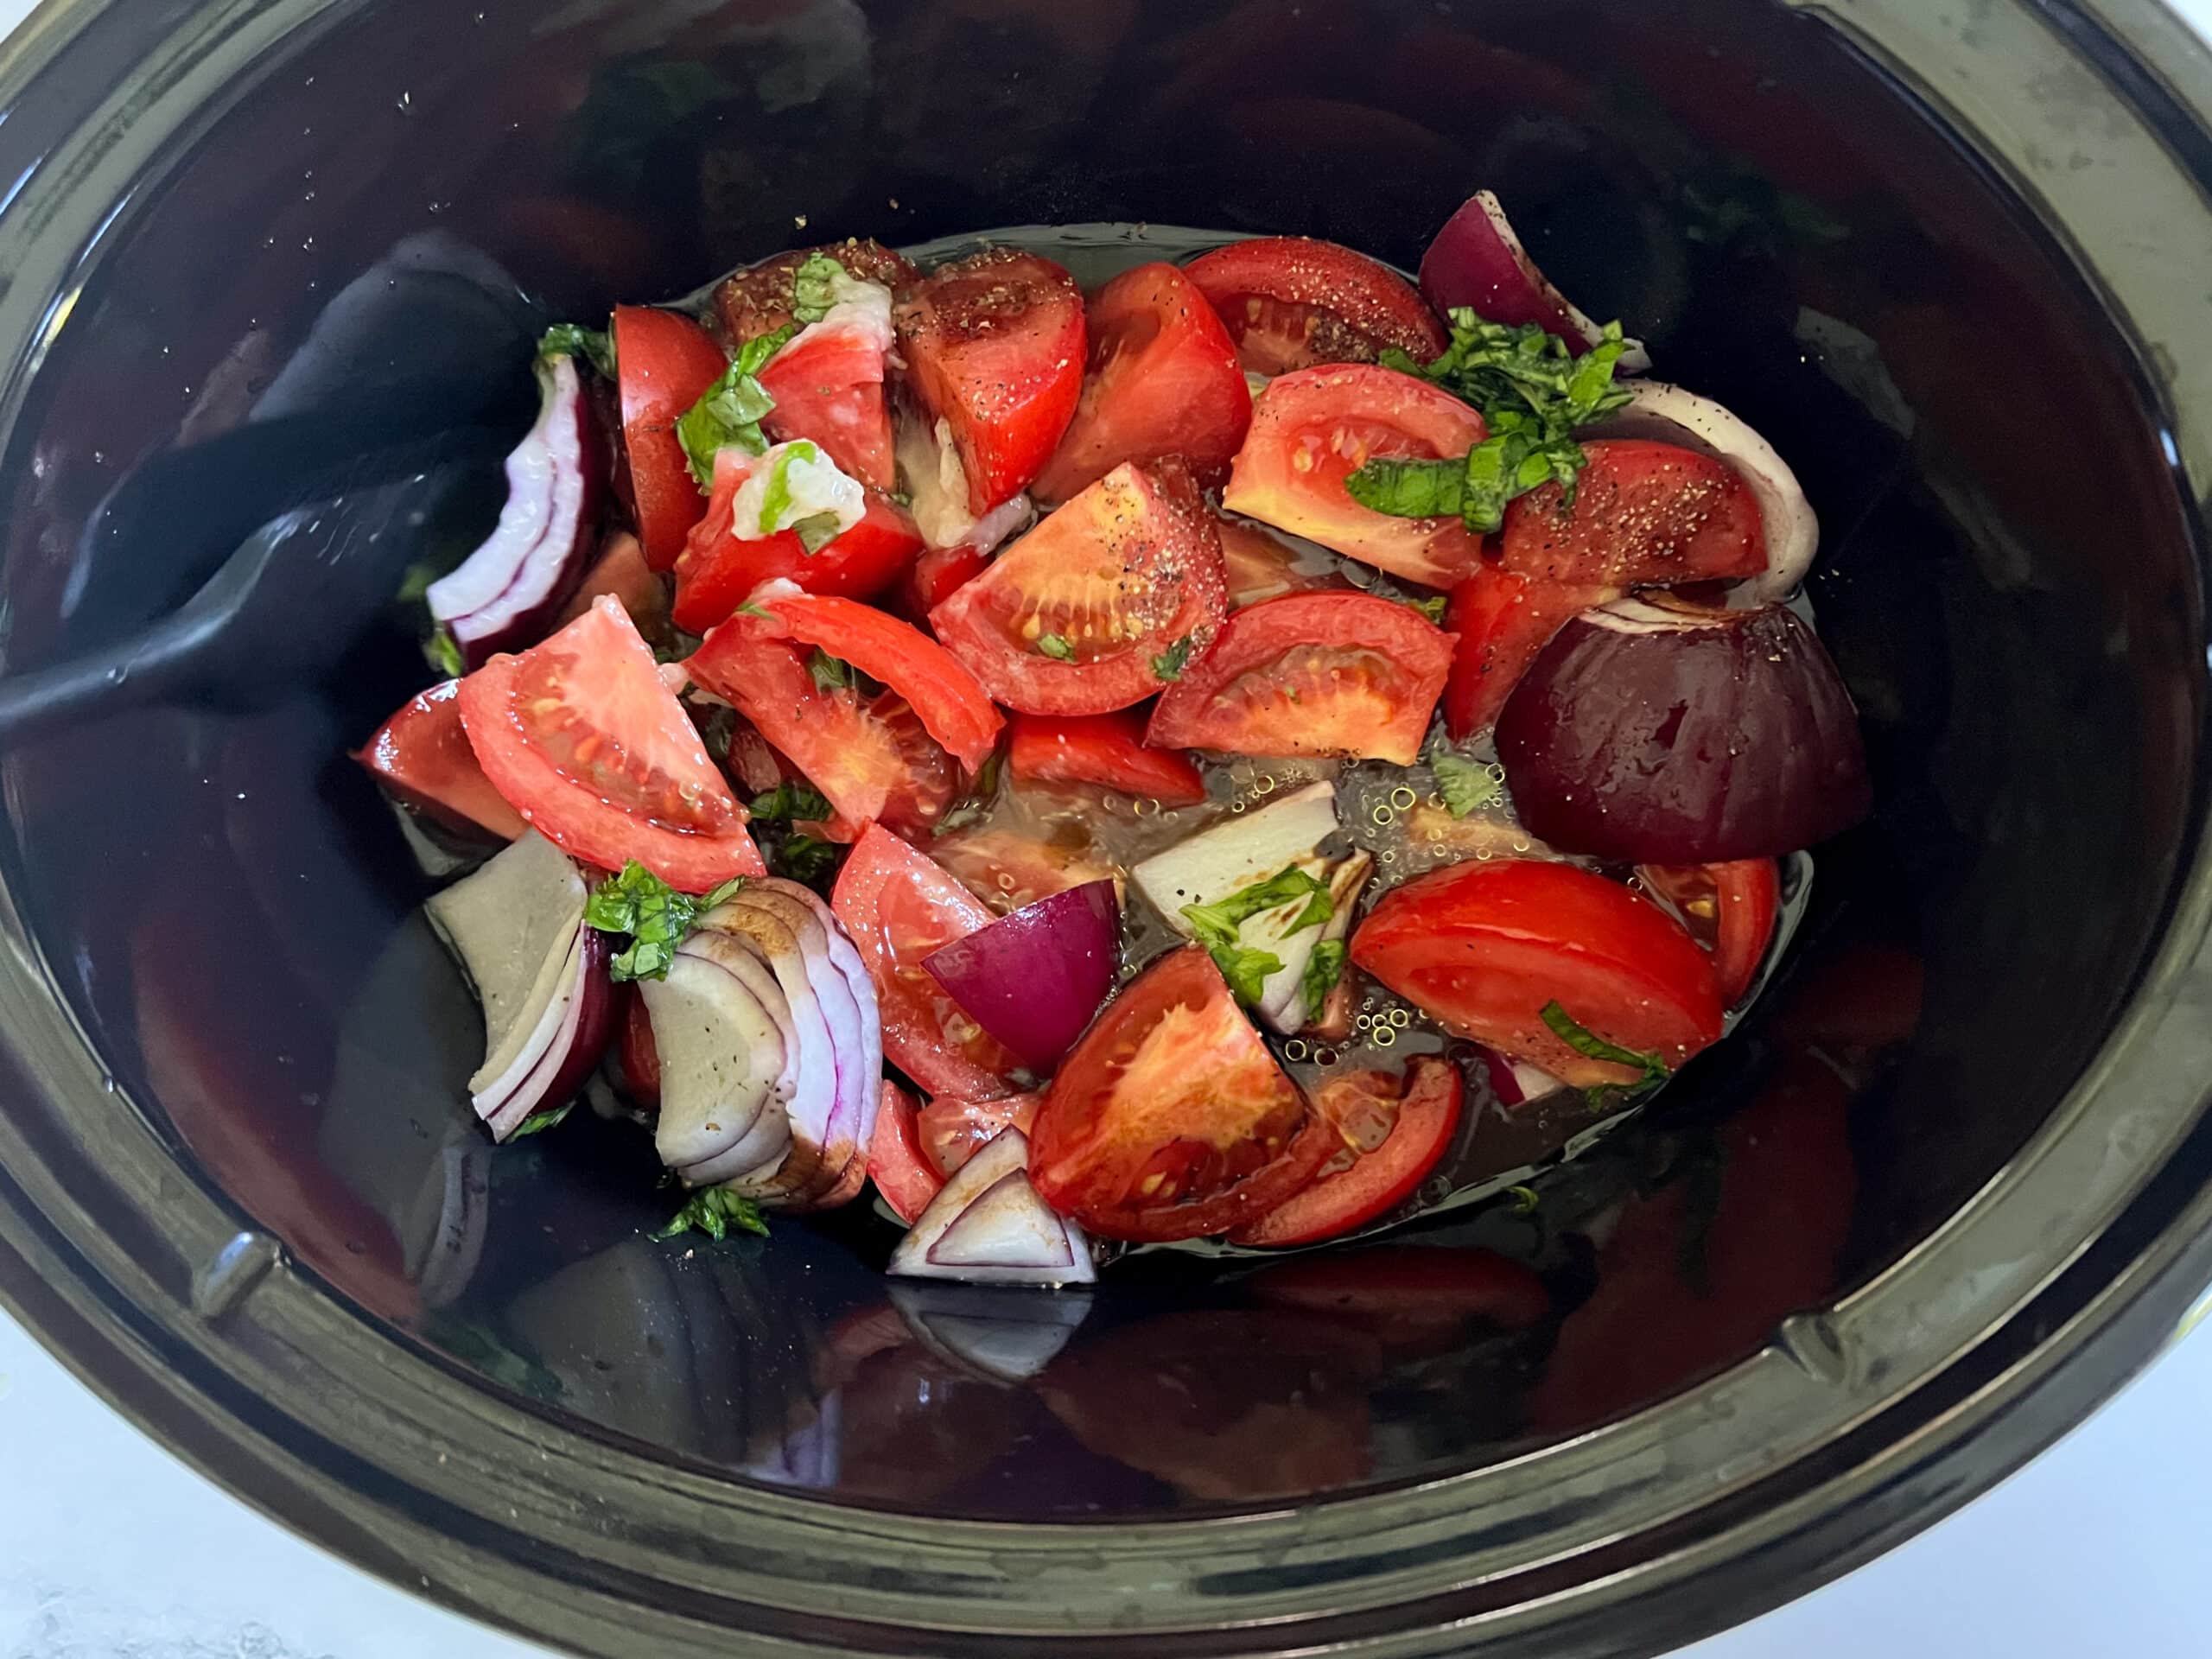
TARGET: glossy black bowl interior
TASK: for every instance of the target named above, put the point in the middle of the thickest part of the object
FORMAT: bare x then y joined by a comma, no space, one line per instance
2006,579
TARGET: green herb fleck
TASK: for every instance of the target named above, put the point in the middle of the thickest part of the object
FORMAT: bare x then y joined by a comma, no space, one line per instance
750,609
1525,1199
814,288
1171,663
714,1210
416,582
1057,647
1533,393
731,410
817,531
1467,785
776,496
654,915
443,651
1432,608
1589,1045
1322,974
539,1122
791,800
830,673
805,858
574,340
1246,967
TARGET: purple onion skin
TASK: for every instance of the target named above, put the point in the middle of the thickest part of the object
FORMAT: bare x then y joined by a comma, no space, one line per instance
1734,739
594,1025
533,625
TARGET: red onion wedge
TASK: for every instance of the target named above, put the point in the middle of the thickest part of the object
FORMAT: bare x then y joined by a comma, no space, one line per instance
1515,1083
1033,979
1671,414
1654,731
506,592
988,1226
517,926
721,1059
1478,261
1008,1338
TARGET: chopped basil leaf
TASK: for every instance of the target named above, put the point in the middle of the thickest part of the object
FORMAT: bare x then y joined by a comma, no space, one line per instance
1533,392
1467,785
817,531
1525,1199
805,858
574,340
813,287
414,583
539,1122
444,652
1432,608
750,609
791,800
831,673
1589,1044
714,1210
776,498
1245,967
731,410
1056,648
1322,973
1171,663
654,915
903,497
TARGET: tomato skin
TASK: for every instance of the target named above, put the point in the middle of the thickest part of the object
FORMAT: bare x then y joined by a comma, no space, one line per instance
828,387
1312,429
952,1130
717,572
898,905
994,345
870,758
895,1160
1107,750
1163,379
1428,1118
1312,674
1482,948
1645,514
1142,538
939,573
1170,1119
1503,621
1292,302
1729,908
584,717
422,755
952,706
663,363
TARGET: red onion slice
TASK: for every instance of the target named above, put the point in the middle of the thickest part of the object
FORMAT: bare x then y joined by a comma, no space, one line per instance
765,1141
1671,414
855,1088
1033,979
1478,261
845,957
721,1057
538,553
1515,1083
586,1025
988,1226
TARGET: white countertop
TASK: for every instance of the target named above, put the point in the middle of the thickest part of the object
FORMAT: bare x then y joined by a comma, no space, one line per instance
111,1549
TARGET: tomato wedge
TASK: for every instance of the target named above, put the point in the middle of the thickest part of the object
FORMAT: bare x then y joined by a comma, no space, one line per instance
1171,1119
1007,868
1107,750
1644,514
994,346
1337,674
896,1162
1313,429
898,907
952,1130
1503,621
952,707
1291,303
1078,617
758,299
827,384
582,737
1427,1102
663,365
1163,380
939,573
870,757
422,755
1728,908
717,571
1485,948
